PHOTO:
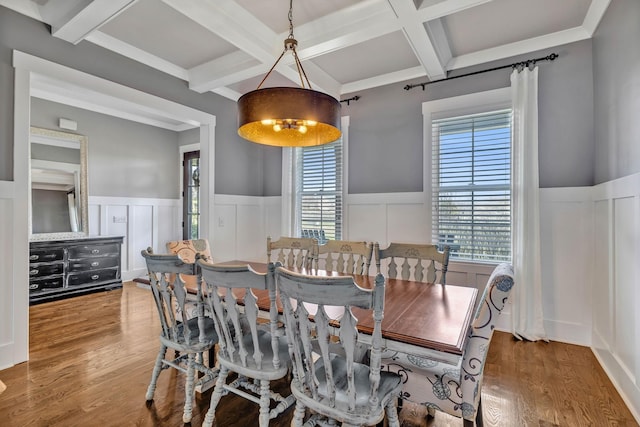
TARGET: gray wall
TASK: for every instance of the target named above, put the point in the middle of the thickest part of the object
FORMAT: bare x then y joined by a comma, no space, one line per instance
385,126
239,164
616,65
126,158
385,132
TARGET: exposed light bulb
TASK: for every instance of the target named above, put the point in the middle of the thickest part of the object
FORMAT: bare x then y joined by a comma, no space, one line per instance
310,122
302,129
277,127
268,122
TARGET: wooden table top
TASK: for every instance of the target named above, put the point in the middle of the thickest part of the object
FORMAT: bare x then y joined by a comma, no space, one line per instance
430,316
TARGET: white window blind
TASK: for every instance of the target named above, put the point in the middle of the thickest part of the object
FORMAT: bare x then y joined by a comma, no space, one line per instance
472,185
319,191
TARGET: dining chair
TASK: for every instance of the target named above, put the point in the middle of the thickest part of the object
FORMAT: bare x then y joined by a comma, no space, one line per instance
189,336
322,335
257,354
408,261
188,249
293,252
456,389
345,256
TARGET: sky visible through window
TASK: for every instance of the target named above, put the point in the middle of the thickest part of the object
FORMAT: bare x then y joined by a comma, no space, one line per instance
320,191
472,174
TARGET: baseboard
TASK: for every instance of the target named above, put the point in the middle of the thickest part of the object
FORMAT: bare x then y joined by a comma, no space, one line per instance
609,365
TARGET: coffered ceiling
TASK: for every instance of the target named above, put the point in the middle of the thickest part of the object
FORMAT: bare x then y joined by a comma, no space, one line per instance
346,46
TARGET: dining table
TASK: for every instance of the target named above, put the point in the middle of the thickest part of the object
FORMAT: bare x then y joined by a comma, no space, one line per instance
422,319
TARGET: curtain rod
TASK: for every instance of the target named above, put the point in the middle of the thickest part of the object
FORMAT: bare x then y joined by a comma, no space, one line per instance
526,63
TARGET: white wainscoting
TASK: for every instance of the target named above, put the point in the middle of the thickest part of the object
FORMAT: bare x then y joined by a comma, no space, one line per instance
7,288
143,223
241,227
616,285
566,241
590,242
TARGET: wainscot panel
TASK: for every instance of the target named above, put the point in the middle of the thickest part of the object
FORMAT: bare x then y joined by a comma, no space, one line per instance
616,290
142,222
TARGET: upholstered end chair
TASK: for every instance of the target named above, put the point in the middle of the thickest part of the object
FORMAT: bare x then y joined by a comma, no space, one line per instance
456,389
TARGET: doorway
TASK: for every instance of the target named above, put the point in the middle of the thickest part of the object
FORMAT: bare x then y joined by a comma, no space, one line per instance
191,195
30,70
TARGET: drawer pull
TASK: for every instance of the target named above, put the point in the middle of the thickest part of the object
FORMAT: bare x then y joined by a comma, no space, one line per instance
95,277
33,286
95,251
34,257
95,264
34,271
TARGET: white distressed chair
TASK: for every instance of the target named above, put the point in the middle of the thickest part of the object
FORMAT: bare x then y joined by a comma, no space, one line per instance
256,354
456,389
345,256
327,379
409,260
292,252
188,336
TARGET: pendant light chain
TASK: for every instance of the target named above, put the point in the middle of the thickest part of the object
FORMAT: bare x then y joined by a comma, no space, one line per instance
290,44
289,116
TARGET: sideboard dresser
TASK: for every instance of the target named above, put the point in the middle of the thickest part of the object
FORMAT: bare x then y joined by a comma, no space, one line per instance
64,268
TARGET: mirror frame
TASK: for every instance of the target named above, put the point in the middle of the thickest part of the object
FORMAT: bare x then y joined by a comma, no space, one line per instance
44,136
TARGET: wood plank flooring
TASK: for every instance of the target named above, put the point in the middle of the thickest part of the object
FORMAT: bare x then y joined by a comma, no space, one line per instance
91,359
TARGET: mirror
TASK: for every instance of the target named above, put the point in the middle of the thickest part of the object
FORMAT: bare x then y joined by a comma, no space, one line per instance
58,203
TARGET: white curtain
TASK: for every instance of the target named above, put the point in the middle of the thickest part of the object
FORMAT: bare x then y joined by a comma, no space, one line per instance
526,309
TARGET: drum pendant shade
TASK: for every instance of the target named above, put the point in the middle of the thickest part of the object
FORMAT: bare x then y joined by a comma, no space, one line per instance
288,117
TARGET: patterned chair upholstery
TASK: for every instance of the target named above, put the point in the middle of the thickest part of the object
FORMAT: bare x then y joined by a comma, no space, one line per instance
187,250
456,389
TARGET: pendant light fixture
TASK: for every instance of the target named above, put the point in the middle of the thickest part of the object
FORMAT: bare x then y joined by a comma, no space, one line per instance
289,116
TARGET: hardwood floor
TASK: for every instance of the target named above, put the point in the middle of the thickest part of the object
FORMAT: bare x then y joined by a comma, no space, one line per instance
91,359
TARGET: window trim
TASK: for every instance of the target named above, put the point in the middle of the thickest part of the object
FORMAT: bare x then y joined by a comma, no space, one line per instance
289,225
450,107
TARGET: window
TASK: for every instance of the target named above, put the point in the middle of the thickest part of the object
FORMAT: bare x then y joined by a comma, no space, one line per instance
471,184
318,200
191,195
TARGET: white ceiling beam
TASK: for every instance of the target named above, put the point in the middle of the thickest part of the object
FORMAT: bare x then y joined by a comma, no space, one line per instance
347,27
319,79
417,36
384,79
594,15
447,7
227,93
231,22
439,39
106,41
229,69
519,48
75,27
27,8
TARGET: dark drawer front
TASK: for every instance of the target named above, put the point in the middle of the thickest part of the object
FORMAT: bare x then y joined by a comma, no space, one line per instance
42,270
96,276
93,263
46,255
78,252
42,284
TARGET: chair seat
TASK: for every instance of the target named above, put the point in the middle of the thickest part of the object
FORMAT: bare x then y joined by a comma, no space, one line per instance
267,371
389,383
178,343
